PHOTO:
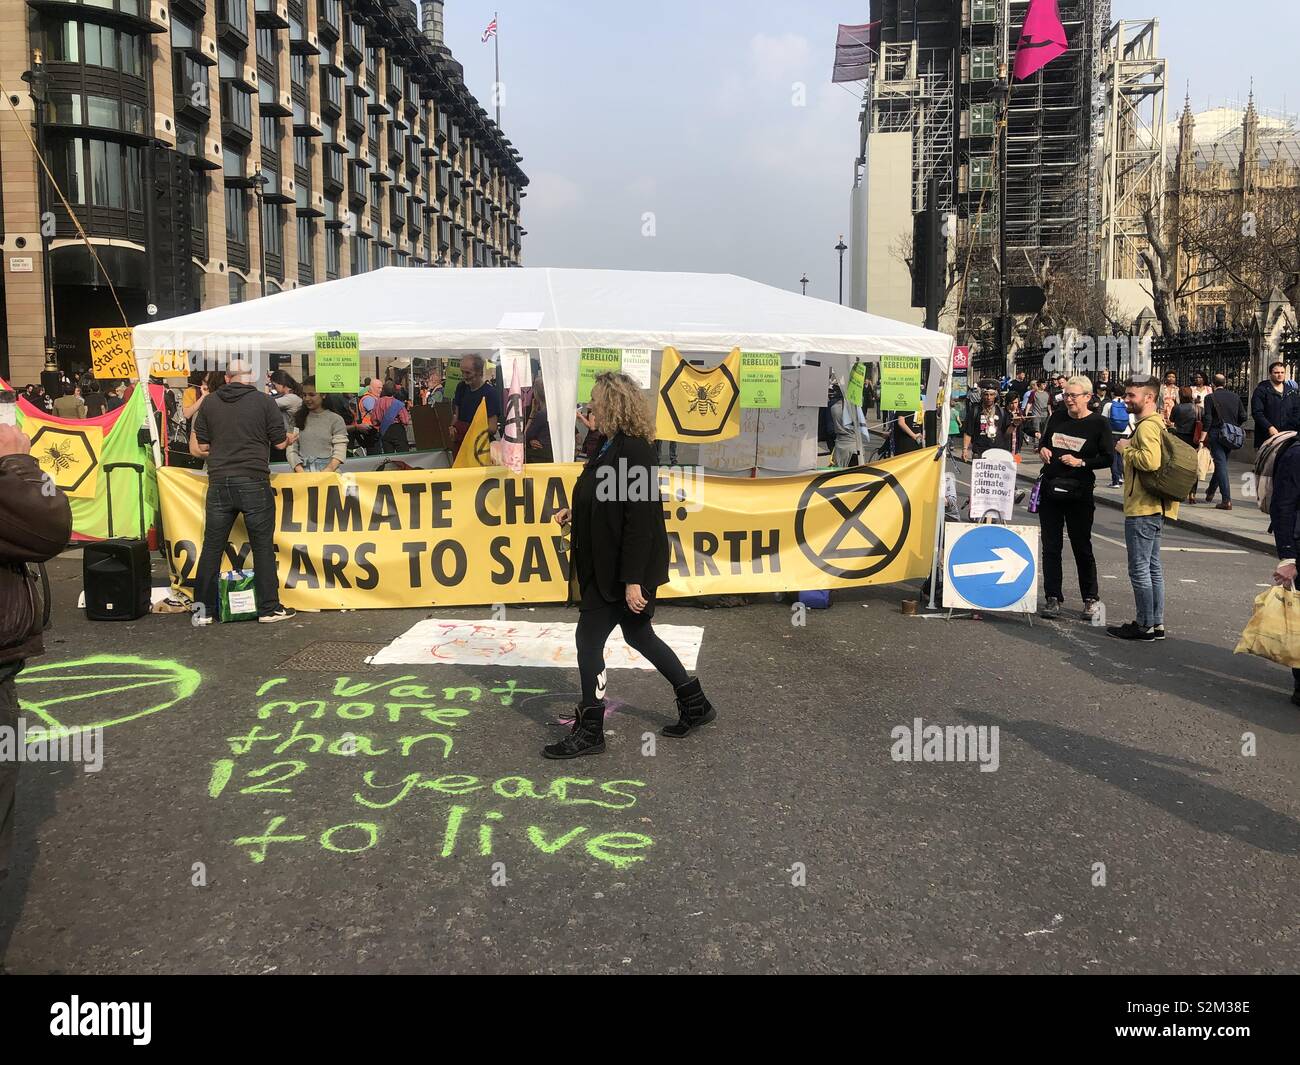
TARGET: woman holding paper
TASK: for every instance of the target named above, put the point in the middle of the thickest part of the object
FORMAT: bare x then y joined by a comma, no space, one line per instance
619,558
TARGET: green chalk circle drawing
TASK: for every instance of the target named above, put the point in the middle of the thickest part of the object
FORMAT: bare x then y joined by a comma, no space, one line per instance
99,691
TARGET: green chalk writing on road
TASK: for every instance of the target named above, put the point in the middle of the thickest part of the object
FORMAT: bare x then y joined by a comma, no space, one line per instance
99,691
307,724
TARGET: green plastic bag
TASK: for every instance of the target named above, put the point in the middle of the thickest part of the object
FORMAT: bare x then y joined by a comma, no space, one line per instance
238,599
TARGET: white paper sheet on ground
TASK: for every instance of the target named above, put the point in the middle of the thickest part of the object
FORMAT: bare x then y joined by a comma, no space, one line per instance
787,439
814,383
156,595
522,643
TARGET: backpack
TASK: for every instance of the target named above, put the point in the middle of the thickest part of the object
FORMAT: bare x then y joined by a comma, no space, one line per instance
1178,471
1117,415
1265,460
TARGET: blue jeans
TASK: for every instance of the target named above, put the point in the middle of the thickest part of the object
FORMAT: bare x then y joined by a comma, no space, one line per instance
1219,478
1142,538
315,465
1117,467
227,499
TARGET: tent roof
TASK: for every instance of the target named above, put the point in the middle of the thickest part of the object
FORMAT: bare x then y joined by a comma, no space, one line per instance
415,311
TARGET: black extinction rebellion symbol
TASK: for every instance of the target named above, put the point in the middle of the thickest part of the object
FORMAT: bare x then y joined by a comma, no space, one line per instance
853,550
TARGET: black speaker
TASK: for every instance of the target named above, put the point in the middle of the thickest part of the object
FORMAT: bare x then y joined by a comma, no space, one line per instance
115,572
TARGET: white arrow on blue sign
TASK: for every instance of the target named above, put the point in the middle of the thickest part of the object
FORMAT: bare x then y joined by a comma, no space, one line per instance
991,567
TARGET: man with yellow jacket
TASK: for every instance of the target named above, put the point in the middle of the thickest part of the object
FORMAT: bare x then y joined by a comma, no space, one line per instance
1144,514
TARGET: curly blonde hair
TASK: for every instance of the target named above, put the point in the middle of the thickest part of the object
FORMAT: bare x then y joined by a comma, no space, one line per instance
623,407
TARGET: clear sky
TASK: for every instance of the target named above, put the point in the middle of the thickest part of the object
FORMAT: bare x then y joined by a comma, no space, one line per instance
692,113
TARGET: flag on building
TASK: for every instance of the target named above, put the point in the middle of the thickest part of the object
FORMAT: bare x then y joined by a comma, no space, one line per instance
491,30
1041,40
856,47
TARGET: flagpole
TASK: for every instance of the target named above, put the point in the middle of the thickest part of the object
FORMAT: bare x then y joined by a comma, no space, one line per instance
496,44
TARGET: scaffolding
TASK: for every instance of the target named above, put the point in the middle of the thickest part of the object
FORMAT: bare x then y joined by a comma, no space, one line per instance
1133,146
903,97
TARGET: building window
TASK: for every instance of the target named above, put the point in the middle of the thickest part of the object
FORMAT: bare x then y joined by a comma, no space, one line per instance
982,119
306,233
182,33
981,173
266,44
302,152
199,206
272,233
271,135
333,243
984,11
68,164
983,63
237,215
299,70
237,288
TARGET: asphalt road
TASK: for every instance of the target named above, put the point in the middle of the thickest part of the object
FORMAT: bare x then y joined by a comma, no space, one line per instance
783,838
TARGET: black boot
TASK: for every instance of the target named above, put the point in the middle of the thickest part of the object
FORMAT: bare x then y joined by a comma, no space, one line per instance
693,710
586,737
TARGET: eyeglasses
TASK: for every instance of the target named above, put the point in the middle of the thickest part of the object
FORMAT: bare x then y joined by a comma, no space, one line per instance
1074,395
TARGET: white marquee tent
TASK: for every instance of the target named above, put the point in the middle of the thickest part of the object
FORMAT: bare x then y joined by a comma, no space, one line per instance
553,312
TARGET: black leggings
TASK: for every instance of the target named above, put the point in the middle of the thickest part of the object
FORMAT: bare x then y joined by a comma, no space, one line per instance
594,627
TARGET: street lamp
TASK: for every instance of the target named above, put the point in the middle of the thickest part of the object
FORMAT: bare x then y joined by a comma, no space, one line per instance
804,282
38,84
841,247
260,181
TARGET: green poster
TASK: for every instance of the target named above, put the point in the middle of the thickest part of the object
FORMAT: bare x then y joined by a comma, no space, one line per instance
760,380
857,380
451,378
595,361
338,362
900,382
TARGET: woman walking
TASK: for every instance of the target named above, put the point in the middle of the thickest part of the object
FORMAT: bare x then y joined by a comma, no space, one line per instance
1075,442
619,559
322,442
1182,423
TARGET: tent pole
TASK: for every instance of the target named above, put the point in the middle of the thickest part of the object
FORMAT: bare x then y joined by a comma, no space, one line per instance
941,431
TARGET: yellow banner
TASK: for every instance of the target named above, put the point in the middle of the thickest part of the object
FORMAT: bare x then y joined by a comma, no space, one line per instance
698,406
112,355
479,536
70,456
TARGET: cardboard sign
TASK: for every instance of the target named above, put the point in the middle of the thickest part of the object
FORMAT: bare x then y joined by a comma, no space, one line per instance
993,488
591,364
170,364
857,381
112,355
636,364
760,380
338,362
900,382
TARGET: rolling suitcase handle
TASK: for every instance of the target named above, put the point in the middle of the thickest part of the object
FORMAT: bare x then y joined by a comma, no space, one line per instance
108,492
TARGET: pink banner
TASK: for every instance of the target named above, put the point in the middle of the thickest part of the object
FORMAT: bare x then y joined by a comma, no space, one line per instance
1041,40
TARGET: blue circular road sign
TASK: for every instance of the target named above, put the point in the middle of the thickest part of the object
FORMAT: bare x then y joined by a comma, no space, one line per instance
991,567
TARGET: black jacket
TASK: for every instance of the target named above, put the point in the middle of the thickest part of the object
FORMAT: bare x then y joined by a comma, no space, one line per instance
35,525
1269,408
619,536
1284,509
240,423
1221,407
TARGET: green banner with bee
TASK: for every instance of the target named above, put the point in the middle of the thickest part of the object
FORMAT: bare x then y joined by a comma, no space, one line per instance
697,405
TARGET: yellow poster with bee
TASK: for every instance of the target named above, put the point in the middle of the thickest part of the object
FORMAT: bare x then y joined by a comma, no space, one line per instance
68,455
695,405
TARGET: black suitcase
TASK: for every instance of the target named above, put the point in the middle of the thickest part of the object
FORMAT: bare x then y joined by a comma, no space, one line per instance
116,572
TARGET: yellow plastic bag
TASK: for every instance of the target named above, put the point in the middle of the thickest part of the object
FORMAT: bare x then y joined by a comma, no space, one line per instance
1273,631
1204,464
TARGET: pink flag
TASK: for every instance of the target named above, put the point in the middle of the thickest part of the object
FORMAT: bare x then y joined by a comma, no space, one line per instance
509,450
1041,40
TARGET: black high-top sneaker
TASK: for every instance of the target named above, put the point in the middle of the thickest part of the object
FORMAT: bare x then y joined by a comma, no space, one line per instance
586,737
693,710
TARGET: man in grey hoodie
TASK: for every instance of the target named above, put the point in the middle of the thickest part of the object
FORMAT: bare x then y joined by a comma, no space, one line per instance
234,430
